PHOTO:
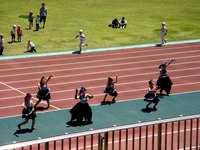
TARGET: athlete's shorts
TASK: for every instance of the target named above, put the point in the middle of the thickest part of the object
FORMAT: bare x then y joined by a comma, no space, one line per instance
43,18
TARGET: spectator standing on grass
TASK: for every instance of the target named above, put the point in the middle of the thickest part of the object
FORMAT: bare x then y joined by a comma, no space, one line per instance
1,44
37,22
163,33
30,47
43,14
30,19
43,91
28,112
13,33
82,40
19,33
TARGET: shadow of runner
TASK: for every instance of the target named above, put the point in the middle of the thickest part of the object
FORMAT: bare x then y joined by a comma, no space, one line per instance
40,108
107,102
148,110
77,123
76,52
22,131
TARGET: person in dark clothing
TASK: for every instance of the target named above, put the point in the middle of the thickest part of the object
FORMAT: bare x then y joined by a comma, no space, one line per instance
1,44
43,91
151,96
110,89
164,80
114,24
28,112
82,109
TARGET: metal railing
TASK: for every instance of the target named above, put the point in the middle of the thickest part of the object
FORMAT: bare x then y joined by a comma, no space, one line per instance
167,134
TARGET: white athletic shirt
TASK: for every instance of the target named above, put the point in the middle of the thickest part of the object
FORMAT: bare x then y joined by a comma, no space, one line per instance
164,29
82,36
32,45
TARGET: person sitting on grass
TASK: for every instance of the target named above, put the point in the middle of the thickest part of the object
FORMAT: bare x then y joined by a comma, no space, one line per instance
151,96
123,23
110,89
114,24
30,47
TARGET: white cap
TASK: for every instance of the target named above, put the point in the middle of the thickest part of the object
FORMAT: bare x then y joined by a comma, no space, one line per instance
80,31
163,23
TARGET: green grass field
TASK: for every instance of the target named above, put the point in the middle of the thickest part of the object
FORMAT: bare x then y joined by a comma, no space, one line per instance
66,17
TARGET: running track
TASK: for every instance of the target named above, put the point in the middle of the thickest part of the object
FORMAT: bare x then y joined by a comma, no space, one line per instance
133,66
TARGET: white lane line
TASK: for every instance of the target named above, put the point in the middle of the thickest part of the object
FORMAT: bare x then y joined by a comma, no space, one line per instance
102,86
96,61
102,94
137,68
72,75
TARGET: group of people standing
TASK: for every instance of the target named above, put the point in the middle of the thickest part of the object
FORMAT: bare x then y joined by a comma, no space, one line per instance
17,31
40,17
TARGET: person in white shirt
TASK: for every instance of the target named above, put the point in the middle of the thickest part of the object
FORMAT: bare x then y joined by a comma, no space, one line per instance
163,33
123,23
82,40
30,47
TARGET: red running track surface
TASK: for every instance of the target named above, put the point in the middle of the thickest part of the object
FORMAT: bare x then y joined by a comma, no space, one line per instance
135,67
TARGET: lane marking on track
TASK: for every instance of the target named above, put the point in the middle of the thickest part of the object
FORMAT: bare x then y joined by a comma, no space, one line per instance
24,93
102,86
72,75
97,61
97,79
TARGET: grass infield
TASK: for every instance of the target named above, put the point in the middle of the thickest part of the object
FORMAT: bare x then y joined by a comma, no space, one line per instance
66,17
